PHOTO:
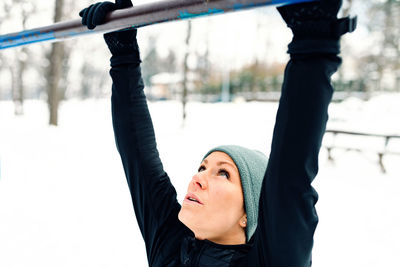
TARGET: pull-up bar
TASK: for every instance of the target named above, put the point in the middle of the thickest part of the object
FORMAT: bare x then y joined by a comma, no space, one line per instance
138,16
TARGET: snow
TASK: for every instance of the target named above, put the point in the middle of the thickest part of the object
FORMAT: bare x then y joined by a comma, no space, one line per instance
64,199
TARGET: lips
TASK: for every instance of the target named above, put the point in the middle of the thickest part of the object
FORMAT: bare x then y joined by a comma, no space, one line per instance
192,197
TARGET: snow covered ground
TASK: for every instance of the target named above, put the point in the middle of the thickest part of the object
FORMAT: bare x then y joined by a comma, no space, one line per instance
64,200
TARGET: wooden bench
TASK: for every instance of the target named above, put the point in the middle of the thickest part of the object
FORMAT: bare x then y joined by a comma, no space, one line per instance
381,152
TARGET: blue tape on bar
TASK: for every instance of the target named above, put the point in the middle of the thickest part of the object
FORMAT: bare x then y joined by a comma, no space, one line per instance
187,15
25,37
273,2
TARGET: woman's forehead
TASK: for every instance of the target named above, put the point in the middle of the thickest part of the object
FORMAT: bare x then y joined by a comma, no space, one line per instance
217,155
219,158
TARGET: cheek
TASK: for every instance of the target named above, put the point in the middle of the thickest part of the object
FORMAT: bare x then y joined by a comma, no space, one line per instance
227,198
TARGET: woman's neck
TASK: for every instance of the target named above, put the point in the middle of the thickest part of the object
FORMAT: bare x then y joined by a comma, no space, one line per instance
236,238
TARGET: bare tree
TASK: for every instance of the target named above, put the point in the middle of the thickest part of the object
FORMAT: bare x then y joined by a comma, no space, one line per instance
20,62
186,70
22,55
384,23
56,58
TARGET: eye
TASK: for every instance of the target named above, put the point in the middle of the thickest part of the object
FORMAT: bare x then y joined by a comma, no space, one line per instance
201,168
224,173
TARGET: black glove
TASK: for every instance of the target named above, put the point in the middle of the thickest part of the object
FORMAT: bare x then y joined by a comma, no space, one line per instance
95,14
120,43
316,20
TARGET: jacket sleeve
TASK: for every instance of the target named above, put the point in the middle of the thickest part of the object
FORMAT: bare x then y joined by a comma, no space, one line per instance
287,216
153,196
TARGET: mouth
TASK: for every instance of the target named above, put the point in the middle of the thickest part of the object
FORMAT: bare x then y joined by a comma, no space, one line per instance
193,199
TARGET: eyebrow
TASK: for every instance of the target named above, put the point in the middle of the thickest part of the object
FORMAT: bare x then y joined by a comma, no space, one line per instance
219,163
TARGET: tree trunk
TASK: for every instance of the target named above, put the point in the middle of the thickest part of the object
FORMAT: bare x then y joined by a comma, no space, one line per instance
22,56
19,79
13,84
186,71
55,70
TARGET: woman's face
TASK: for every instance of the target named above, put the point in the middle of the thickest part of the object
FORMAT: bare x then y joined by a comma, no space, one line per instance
213,207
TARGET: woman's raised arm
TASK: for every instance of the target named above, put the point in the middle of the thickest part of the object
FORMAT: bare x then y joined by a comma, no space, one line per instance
153,195
287,216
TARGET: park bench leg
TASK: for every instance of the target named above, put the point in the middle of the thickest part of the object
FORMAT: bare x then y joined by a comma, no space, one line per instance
329,149
381,162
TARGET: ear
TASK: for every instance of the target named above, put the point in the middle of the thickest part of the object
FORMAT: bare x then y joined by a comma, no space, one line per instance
243,221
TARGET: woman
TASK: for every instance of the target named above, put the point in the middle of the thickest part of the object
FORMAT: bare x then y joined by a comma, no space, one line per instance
235,212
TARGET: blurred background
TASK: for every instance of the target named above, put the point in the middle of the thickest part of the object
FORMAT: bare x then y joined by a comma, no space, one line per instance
214,80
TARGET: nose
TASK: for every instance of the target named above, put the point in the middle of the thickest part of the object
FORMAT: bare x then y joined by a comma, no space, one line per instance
199,181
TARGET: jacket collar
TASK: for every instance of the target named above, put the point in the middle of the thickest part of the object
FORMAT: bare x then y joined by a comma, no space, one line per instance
195,252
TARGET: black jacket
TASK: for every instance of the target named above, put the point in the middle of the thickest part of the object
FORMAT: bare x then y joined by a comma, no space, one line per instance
287,217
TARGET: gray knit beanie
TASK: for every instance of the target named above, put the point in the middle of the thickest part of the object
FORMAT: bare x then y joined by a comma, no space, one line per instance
251,165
